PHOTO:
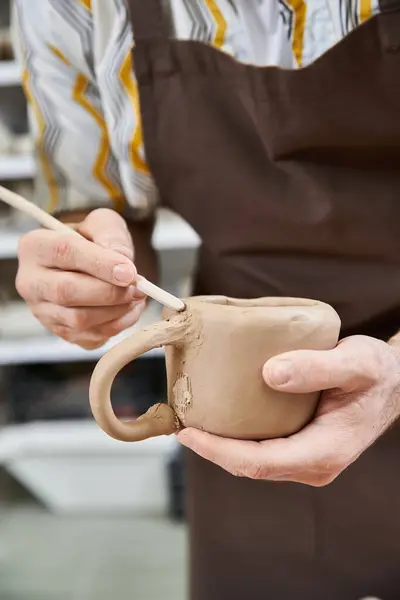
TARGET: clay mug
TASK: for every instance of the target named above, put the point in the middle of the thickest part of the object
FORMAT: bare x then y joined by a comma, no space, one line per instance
215,352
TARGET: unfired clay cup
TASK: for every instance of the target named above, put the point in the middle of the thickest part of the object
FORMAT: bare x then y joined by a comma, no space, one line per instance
215,352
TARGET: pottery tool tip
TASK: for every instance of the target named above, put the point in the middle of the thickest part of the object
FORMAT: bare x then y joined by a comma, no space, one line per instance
162,296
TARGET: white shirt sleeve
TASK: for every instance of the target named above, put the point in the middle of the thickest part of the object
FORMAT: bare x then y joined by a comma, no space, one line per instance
76,166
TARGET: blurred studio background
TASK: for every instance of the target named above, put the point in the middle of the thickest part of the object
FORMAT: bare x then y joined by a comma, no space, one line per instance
81,517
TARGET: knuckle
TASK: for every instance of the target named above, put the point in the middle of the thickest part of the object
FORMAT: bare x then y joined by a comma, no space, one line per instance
111,216
27,243
255,471
85,342
331,465
379,363
106,213
232,470
64,333
37,313
64,292
24,246
249,470
78,320
370,359
93,344
30,285
41,288
327,471
63,250
371,371
22,284
323,479
113,295
111,329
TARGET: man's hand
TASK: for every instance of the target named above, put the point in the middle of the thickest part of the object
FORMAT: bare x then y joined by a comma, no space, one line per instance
361,377
81,289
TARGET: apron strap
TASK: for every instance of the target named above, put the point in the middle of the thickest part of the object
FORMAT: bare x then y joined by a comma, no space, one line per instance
389,5
390,25
149,20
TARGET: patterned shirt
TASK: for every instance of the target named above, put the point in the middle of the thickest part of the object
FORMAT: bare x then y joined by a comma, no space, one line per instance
83,97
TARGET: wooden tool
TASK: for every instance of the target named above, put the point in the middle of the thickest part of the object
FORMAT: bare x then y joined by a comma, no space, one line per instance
50,222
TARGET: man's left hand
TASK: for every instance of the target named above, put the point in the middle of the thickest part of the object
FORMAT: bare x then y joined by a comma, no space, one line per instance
360,401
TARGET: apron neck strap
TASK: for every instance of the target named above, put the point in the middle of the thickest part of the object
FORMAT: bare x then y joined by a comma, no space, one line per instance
389,5
148,19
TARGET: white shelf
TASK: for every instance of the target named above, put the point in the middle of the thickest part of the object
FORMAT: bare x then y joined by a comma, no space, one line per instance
16,167
10,73
81,437
50,349
8,244
171,233
73,467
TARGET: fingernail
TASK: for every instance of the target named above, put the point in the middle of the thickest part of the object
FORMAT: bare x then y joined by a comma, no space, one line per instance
132,290
124,273
125,251
137,294
279,373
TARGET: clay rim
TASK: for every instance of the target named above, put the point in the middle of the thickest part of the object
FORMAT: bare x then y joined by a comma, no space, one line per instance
266,302
281,305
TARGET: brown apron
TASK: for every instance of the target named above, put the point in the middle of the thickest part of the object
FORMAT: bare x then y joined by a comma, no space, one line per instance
292,180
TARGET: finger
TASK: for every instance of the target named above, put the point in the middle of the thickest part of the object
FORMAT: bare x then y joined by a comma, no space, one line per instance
351,366
312,456
242,458
69,289
237,457
89,340
107,229
68,252
93,339
82,319
118,325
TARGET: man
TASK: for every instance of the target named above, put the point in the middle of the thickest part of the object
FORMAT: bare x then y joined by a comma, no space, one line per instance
290,175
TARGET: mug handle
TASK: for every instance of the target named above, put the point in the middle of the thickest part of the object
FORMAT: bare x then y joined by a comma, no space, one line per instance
160,419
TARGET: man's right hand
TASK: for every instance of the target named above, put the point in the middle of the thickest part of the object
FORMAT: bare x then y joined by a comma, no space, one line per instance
81,289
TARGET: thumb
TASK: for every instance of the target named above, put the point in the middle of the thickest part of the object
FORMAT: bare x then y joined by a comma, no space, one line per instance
350,366
107,229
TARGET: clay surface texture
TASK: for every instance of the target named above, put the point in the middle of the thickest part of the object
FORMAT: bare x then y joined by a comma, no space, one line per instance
215,352
215,372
